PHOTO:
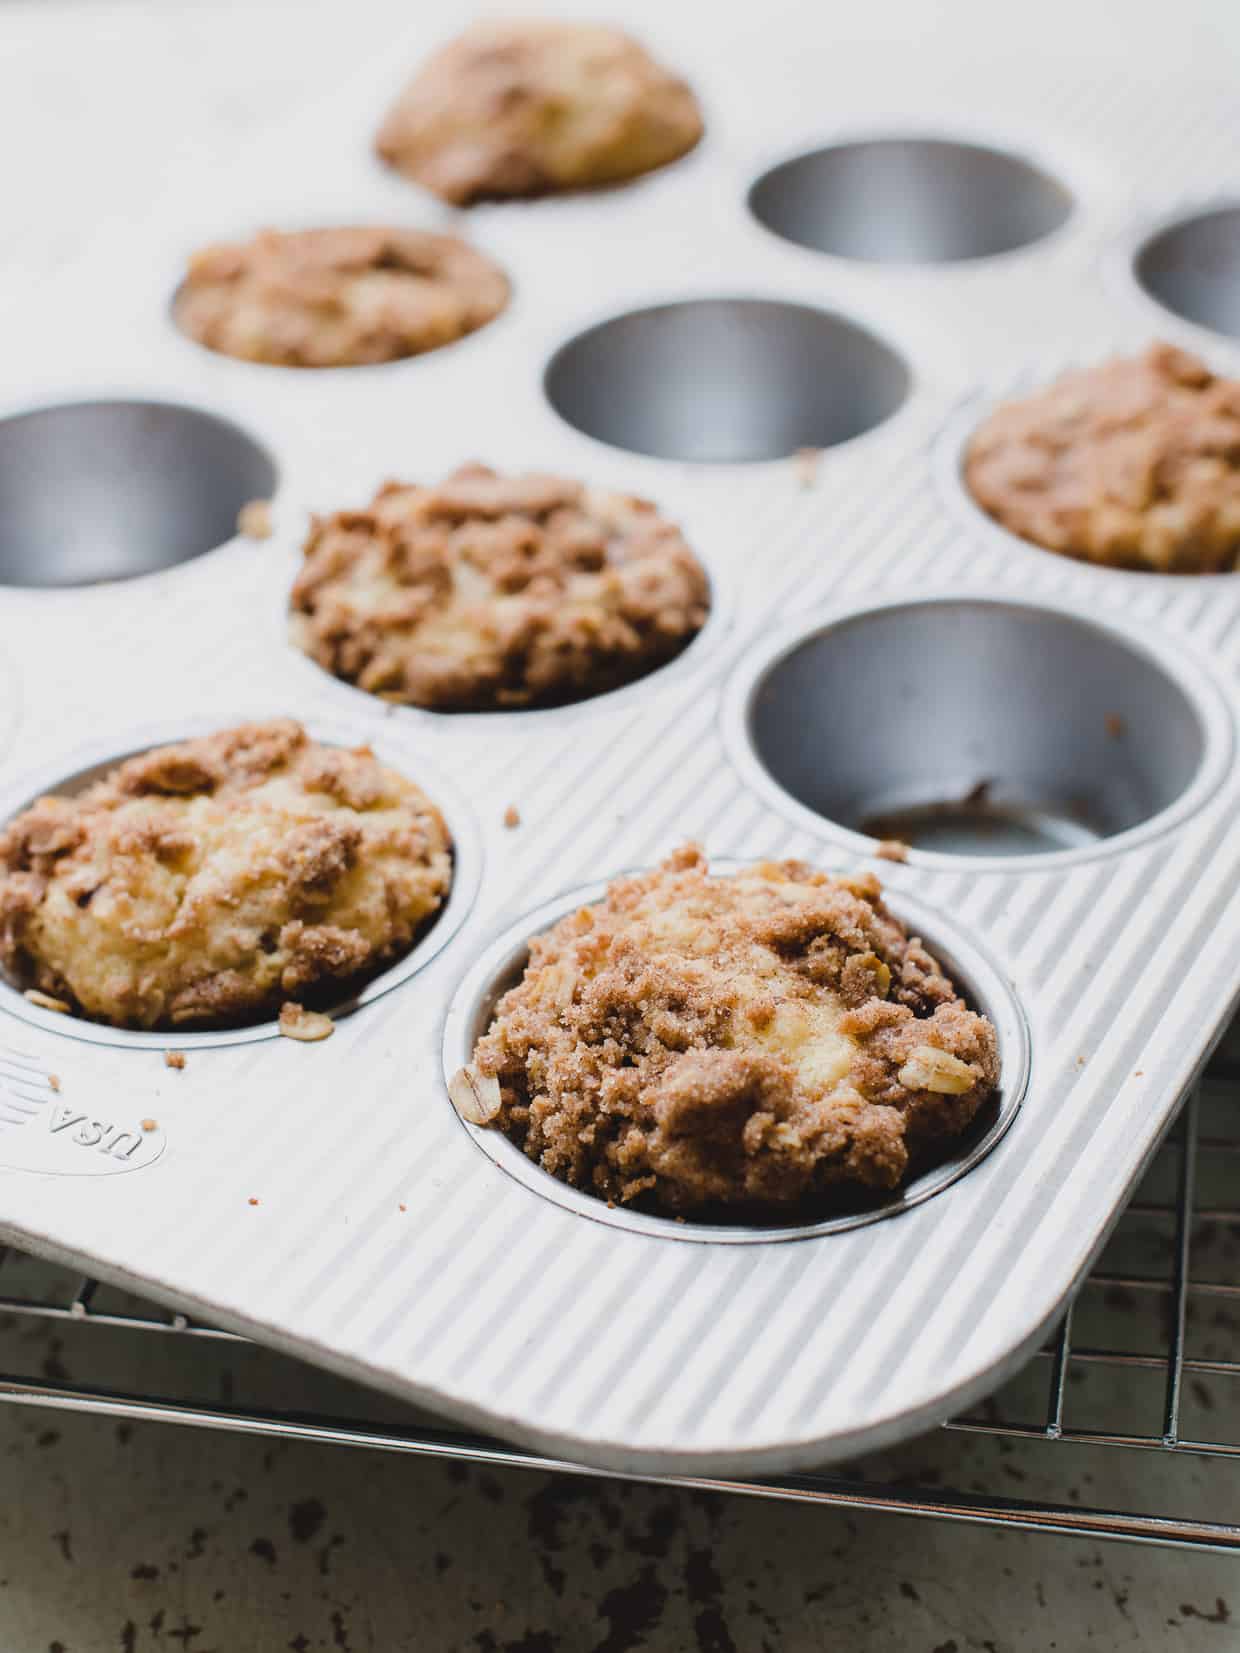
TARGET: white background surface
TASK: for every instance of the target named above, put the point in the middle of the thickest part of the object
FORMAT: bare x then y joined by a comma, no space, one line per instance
162,1539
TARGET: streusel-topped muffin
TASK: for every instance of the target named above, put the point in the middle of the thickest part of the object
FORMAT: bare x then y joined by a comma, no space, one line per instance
202,884
1133,464
752,1040
525,108
493,591
337,297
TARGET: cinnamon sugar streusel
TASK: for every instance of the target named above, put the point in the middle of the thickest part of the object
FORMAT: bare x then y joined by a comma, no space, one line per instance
746,1041
337,297
491,591
202,884
523,108
1134,463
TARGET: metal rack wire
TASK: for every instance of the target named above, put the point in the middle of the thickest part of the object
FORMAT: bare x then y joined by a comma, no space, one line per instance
1145,1358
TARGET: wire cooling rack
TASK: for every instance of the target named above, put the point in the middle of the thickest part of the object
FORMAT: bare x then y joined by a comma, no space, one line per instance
1147,1357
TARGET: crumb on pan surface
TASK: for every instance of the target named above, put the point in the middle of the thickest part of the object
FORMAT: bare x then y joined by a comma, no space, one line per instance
255,521
345,297
526,108
753,1040
201,884
490,592
1133,464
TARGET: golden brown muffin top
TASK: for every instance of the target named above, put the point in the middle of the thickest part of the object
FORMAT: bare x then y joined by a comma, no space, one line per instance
524,108
203,883
753,1040
490,591
337,297
1134,464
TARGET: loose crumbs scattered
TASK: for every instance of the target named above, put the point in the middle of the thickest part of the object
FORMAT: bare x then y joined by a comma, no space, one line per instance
53,1080
892,849
805,462
174,1059
150,1125
512,817
309,1026
45,1001
254,520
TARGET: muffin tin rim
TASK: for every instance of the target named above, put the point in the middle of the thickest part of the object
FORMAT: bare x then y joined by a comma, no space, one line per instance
441,791
1198,684
970,964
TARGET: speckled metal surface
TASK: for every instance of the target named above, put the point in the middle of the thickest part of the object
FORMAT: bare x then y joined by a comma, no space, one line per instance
383,1243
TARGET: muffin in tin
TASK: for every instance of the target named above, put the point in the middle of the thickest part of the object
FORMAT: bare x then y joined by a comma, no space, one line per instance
757,1042
493,592
348,297
527,108
203,884
1134,463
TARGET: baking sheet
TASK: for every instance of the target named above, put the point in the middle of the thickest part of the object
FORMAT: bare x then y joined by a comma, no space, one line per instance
384,1242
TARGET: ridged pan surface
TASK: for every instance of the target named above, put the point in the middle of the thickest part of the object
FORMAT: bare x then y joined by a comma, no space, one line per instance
326,1198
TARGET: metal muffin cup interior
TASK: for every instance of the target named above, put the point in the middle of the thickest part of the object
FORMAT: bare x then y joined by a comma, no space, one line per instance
726,380
92,765
981,981
108,490
910,200
977,727
1192,268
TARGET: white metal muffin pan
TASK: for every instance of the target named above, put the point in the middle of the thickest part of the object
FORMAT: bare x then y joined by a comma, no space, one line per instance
1061,739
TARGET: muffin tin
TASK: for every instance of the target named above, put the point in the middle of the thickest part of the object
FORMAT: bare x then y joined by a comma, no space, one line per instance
878,651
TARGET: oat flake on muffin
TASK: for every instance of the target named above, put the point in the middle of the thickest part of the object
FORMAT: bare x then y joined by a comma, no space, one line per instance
346,297
490,592
752,1040
1133,464
525,108
203,884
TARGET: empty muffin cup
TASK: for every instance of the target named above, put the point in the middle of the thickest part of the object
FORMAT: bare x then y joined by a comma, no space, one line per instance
906,200
977,727
981,982
107,490
1192,268
726,380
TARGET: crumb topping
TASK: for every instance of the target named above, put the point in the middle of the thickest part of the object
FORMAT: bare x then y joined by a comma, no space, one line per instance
748,1041
1134,464
524,108
337,297
491,591
202,884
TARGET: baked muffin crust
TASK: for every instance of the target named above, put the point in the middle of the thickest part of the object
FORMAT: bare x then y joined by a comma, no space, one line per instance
1132,464
510,109
749,1041
202,884
337,297
489,591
